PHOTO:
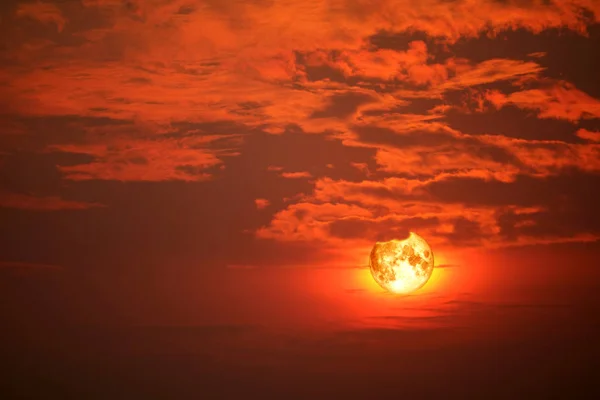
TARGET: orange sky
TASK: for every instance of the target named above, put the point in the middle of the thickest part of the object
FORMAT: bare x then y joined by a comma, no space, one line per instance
228,163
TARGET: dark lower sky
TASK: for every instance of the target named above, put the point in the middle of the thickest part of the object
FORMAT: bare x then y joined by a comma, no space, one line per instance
190,189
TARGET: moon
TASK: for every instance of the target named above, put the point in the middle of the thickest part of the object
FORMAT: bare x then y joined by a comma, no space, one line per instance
402,266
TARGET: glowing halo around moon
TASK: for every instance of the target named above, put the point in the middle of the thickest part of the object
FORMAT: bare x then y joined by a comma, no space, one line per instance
402,266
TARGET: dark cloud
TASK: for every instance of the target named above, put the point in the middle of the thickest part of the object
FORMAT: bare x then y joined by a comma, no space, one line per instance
566,201
529,207
232,359
140,80
343,105
378,230
221,127
400,41
37,132
185,10
570,187
296,151
26,172
465,232
567,221
568,55
217,212
319,72
513,122
414,106
153,229
438,140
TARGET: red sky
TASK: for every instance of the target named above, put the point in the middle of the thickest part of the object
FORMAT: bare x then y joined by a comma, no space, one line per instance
193,188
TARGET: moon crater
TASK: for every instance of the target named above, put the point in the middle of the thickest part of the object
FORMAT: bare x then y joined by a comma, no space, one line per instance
402,266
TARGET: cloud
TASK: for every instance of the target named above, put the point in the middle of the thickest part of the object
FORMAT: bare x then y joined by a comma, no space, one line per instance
42,203
560,101
307,221
186,159
537,54
363,167
250,46
462,343
456,210
544,158
489,71
296,175
348,120
382,64
44,12
431,148
261,203
350,214
588,135
379,229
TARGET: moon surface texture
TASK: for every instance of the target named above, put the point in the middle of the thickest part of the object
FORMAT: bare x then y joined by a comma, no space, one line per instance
402,266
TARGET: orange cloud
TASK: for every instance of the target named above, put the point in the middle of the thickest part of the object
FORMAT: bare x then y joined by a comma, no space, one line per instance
543,158
235,68
145,160
537,54
253,59
296,175
307,221
349,226
431,148
495,70
261,203
592,136
347,215
384,64
560,101
363,167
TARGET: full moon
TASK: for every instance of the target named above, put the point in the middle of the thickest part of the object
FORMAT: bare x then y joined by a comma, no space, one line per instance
402,266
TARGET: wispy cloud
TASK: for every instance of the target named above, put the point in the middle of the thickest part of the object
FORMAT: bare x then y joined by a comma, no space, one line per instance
42,203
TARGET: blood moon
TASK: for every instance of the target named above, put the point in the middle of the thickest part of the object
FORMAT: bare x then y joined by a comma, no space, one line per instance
402,266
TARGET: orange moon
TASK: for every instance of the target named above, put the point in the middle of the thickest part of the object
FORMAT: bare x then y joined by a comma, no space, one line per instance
402,266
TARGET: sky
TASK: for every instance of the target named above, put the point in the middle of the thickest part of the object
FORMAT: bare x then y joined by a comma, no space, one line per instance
190,189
